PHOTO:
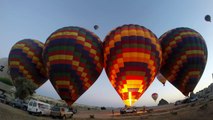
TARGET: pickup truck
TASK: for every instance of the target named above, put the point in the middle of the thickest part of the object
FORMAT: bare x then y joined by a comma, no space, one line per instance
128,110
61,112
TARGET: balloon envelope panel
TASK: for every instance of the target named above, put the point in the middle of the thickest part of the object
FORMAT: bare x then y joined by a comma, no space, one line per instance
132,57
25,60
184,58
74,60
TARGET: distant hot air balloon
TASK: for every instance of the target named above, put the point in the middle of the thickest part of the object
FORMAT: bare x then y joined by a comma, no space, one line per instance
74,60
208,18
132,57
161,78
184,54
155,96
96,27
25,60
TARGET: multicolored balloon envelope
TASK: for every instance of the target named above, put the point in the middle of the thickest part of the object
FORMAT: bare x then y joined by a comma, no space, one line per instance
155,96
184,55
25,60
132,57
74,59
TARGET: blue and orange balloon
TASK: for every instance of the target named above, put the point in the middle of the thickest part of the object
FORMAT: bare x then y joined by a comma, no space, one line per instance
184,53
132,58
74,60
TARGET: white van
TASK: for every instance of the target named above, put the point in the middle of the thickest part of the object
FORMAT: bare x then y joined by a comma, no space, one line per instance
38,108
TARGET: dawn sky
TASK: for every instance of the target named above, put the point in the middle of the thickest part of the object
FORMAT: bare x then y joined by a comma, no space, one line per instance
37,19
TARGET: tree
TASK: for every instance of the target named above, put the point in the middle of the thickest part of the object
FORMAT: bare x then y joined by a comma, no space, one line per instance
162,102
24,87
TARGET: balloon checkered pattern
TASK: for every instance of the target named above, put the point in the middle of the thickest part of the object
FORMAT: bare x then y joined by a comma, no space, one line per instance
184,53
132,58
25,60
74,61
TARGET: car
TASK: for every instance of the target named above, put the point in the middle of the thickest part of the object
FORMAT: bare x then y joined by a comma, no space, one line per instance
186,100
18,103
128,110
3,98
74,110
38,108
178,102
61,112
210,97
193,99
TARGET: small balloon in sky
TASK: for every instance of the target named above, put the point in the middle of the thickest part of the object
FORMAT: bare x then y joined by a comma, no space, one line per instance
96,27
155,96
208,18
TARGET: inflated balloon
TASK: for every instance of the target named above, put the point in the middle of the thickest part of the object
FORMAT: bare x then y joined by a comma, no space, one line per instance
132,57
96,27
208,18
74,59
4,72
161,78
184,55
25,60
155,96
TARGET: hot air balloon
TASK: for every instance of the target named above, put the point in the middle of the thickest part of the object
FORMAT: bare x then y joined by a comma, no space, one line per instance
132,57
25,60
208,18
161,78
155,96
184,54
96,27
74,60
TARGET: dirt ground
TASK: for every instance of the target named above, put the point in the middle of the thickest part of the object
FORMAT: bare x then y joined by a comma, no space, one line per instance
200,110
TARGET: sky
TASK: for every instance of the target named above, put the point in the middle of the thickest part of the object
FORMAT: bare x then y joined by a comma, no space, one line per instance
37,19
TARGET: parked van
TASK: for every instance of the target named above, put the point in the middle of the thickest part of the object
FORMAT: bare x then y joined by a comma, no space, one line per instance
38,108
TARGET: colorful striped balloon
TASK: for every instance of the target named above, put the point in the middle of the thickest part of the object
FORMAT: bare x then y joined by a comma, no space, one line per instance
184,55
132,58
25,60
74,59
